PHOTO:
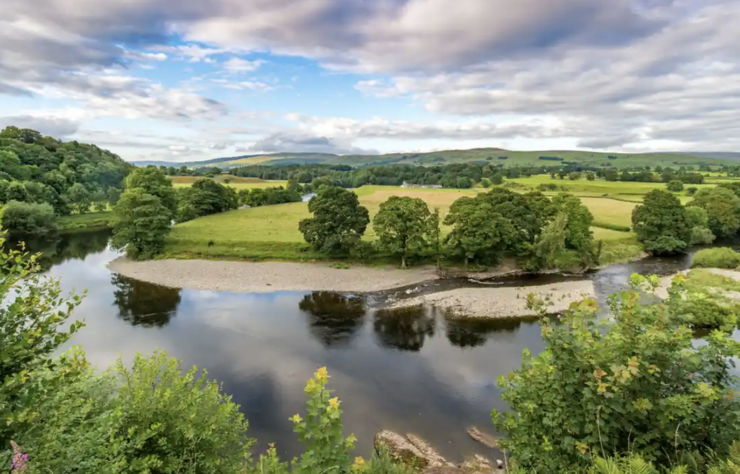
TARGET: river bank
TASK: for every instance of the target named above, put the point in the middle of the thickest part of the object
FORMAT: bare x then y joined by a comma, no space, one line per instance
262,277
503,302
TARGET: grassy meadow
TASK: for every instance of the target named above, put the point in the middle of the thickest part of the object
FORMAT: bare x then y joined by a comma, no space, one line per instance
233,181
271,232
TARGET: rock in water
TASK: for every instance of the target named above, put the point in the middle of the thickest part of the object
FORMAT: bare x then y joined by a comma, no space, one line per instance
410,450
483,438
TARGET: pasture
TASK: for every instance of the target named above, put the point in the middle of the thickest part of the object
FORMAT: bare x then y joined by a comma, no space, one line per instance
233,181
272,231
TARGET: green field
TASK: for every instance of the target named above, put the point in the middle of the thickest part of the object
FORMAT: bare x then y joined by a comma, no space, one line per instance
271,232
233,181
84,222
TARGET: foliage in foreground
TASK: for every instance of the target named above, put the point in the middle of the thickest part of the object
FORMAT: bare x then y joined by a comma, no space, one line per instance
636,385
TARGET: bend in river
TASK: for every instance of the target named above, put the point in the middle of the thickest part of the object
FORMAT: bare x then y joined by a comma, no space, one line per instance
412,370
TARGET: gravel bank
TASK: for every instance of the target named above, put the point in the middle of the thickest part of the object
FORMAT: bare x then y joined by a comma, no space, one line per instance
503,302
268,276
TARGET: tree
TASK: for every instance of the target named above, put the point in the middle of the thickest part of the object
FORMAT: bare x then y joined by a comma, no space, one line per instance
140,224
590,176
699,224
661,224
550,244
637,384
152,182
578,227
674,186
338,221
527,213
485,182
401,226
574,175
479,232
79,197
497,178
23,218
723,210
434,235
203,198
691,190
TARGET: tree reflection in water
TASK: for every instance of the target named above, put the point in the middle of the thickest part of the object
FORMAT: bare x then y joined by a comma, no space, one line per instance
474,332
60,248
405,328
334,319
144,304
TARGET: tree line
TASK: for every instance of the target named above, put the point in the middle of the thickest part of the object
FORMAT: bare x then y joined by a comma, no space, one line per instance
483,229
665,226
42,178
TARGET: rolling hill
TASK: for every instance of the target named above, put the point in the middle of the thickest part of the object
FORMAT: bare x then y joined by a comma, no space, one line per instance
478,155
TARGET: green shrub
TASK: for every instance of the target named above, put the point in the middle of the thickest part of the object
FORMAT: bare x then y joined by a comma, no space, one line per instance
635,384
720,257
701,236
702,311
22,218
675,186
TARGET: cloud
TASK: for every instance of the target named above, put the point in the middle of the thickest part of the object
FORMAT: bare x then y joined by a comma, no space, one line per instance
250,85
299,142
410,130
56,127
380,89
237,65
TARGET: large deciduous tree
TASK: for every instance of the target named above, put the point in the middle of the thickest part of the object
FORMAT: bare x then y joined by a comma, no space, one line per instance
143,215
578,229
338,221
479,232
661,224
723,210
401,226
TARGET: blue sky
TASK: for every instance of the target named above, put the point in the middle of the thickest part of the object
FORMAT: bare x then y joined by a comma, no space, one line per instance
152,79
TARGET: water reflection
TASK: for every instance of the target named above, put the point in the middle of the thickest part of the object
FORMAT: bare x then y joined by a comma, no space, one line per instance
334,319
404,329
57,249
474,332
144,304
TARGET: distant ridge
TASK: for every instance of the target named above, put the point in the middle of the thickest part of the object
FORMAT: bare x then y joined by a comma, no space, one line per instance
492,156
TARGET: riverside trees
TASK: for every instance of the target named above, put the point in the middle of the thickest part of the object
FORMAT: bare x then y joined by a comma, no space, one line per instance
143,216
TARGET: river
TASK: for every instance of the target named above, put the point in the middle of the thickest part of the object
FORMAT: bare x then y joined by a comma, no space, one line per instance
412,371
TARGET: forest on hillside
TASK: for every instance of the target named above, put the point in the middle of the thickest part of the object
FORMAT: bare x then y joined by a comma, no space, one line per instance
42,177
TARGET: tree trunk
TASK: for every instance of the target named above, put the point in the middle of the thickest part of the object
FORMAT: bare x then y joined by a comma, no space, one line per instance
403,261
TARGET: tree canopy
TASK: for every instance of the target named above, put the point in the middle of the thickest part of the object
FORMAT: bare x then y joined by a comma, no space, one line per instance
402,225
338,221
65,175
723,210
661,223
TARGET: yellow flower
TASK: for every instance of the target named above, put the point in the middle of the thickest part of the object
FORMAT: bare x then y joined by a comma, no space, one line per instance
359,461
334,403
321,374
295,418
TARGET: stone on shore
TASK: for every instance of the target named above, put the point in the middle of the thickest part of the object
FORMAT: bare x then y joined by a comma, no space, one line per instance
410,450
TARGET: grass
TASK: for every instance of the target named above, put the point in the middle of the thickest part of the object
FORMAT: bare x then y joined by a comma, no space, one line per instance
619,250
84,222
718,257
700,280
609,211
598,186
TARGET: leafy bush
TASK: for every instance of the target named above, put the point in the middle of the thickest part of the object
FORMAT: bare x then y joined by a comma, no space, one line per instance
723,210
701,236
638,384
720,257
203,198
703,311
691,190
674,186
22,218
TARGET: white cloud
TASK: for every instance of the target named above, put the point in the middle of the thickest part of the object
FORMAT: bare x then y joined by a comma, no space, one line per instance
376,88
238,65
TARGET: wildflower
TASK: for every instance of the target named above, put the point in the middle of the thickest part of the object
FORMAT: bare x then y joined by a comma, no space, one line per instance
334,403
321,374
19,459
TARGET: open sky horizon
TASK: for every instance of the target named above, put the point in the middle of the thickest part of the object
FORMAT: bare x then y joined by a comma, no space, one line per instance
200,79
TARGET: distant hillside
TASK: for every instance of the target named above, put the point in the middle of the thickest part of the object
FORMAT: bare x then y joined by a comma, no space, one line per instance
720,155
191,164
480,155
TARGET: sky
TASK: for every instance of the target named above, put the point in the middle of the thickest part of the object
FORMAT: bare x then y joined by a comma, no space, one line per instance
188,80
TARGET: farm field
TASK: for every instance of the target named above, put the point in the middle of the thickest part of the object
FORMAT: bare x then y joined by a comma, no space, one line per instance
272,231
599,187
233,181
